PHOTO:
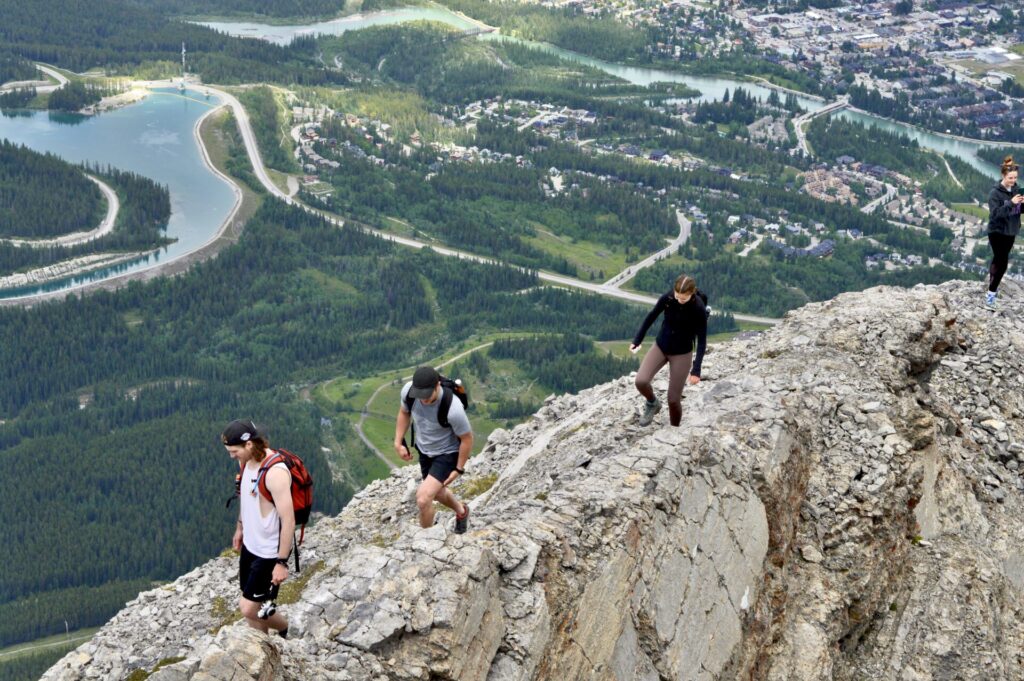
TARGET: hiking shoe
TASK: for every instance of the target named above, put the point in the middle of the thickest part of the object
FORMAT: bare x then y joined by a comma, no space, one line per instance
990,298
462,522
650,410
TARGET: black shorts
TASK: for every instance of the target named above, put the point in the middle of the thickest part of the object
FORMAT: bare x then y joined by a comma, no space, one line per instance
440,466
254,574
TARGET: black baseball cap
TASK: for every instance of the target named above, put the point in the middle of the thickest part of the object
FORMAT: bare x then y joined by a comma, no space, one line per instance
423,382
239,432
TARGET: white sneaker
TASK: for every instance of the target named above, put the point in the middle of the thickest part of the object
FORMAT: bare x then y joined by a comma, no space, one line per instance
990,298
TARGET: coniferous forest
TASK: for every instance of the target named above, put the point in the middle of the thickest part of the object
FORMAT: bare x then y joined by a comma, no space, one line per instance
39,204
42,196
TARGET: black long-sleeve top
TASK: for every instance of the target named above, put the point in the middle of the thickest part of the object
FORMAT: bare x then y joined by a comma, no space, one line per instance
683,322
1003,215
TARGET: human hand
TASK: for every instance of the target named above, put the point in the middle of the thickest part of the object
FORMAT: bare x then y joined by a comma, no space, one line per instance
693,380
634,348
236,541
279,574
1017,198
403,452
452,477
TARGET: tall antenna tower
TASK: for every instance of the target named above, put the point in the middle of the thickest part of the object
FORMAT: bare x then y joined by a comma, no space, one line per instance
183,66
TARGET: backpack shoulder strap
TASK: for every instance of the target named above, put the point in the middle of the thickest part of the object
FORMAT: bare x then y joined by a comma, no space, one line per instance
261,474
442,409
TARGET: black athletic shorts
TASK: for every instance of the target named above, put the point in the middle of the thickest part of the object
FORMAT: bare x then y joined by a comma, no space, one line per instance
440,466
254,575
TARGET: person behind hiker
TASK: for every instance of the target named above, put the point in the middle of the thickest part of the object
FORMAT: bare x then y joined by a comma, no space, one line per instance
444,451
1004,205
265,530
685,320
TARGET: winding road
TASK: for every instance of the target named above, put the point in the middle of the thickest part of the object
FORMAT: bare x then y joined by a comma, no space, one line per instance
684,235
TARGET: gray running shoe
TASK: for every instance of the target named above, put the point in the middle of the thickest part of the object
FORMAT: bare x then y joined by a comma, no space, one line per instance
650,410
990,299
462,524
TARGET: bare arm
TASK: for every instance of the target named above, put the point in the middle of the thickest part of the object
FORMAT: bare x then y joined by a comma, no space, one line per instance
402,425
279,483
465,449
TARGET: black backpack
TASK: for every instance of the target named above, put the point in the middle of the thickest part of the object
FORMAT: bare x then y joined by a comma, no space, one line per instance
449,388
704,299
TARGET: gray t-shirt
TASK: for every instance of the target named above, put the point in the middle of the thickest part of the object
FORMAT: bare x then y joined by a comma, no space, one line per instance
431,438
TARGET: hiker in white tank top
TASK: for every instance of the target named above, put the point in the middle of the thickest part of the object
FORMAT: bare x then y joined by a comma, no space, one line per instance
261,523
265,529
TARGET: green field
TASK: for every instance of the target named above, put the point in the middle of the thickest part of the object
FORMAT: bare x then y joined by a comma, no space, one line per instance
589,257
971,209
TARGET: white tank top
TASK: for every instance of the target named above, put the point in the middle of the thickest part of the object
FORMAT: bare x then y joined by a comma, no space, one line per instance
260,534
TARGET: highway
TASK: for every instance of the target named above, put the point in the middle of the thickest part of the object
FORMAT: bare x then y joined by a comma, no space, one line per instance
684,234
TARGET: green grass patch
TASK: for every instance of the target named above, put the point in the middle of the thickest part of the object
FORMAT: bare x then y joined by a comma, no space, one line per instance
291,590
971,209
279,179
224,612
589,257
214,132
470,489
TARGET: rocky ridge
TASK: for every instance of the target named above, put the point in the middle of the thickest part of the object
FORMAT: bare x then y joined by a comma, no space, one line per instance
841,502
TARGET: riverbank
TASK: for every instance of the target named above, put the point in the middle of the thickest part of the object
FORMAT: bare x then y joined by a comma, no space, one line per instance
959,138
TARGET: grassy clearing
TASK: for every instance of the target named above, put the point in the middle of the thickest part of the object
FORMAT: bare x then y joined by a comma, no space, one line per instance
279,179
213,132
971,209
590,257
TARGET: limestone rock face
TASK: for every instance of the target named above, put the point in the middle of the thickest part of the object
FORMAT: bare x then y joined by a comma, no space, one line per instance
842,501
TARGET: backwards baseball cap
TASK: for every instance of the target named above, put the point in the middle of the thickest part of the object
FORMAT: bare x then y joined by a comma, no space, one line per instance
423,383
239,432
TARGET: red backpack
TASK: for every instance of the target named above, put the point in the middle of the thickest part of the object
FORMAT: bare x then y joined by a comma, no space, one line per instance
302,488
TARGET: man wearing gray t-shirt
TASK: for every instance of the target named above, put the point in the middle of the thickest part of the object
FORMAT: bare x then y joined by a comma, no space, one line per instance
444,450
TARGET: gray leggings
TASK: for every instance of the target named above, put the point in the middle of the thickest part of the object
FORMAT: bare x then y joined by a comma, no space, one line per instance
678,371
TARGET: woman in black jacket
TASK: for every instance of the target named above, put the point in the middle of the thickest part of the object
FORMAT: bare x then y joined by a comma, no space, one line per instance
685,320
1003,225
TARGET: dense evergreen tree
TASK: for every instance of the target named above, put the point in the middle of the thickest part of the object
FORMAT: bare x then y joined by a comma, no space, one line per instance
43,196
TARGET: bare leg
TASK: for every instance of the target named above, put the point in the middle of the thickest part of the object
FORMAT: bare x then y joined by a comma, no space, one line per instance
446,497
250,611
429,491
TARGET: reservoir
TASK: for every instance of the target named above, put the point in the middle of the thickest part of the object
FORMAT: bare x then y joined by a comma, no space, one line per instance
153,138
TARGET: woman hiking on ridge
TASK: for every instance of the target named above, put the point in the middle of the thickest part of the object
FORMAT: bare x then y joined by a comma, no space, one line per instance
685,319
1004,205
